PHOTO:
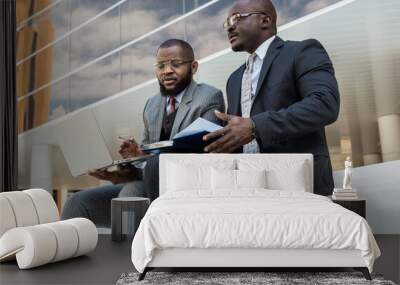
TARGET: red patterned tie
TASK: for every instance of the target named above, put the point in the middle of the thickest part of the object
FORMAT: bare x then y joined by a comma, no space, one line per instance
171,102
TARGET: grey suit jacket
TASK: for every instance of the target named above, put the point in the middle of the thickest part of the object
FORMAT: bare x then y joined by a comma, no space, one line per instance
199,100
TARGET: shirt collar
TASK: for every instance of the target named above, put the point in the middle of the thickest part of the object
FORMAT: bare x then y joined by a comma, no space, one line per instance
178,98
262,49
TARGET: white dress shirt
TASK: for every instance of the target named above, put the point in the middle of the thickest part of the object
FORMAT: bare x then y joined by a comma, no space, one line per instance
260,52
254,62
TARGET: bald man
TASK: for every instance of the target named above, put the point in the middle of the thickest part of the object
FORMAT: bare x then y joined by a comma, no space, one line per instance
282,97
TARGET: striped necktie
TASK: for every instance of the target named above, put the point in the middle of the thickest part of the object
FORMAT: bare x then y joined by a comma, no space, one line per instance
247,100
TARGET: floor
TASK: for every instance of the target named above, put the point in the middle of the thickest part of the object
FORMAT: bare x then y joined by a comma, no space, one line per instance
103,266
110,260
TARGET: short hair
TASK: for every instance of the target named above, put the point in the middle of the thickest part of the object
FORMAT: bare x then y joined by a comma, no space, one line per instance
187,48
267,7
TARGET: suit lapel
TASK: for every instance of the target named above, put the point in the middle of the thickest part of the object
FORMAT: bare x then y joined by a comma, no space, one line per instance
183,108
272,52
159,110
237,92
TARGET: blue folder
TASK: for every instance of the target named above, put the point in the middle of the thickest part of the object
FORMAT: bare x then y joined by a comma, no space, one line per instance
188,140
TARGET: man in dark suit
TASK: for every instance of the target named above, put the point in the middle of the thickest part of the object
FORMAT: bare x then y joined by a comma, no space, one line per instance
282,98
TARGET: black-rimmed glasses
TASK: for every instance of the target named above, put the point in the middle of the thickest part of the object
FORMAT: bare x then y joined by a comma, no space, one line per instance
236,17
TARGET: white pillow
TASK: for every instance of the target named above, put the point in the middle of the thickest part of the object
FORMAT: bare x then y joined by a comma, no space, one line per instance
223,179
288,174
251,178
186,176
231,180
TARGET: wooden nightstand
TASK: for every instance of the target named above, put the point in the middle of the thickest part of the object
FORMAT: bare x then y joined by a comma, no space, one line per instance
358,206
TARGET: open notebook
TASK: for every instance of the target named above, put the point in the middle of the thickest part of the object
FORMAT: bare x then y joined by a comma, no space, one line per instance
188,140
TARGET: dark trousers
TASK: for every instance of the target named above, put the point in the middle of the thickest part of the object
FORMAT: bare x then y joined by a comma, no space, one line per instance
95,204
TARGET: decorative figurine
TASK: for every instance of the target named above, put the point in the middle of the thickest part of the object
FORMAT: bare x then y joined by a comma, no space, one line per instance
348,165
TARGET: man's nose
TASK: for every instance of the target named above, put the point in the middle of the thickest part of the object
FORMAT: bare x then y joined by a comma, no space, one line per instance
231,28
167,69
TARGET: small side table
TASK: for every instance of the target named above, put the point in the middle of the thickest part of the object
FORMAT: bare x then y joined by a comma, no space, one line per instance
132,205
357,206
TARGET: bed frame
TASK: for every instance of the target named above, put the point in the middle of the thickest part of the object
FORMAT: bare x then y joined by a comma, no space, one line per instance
246,259
241,259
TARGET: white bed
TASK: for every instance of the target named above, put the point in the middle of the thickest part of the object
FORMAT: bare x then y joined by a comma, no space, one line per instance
203,219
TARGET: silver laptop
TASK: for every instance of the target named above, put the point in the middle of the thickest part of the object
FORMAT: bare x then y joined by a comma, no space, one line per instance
83,144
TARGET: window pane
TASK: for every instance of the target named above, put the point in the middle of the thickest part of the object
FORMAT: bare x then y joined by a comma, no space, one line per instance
44,67
60,98
96,82
203,30
289,10
43,106
95,39
83,10
43,29
141,17
27,8
138,60
189,5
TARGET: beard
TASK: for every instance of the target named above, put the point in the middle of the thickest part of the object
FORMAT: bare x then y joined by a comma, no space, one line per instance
179,87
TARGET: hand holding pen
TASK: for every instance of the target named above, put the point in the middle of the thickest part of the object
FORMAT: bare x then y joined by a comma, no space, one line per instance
129,148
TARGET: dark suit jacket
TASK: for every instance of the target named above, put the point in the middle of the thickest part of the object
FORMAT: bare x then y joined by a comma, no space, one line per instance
296,97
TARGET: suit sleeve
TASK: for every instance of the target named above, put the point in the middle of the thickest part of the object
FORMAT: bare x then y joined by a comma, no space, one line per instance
228,92
316,83
145,137
215,103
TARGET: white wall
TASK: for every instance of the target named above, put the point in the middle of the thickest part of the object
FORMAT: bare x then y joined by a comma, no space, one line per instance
379,184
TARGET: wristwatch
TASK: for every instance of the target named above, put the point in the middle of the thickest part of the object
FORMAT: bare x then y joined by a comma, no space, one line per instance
254,133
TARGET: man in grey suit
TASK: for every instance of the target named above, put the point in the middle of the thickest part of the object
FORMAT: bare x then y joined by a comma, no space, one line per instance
180,101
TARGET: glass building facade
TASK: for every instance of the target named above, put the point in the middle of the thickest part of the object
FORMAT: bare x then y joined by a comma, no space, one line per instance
74,53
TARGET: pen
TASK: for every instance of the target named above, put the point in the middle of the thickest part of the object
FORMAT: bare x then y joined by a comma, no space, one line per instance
125,139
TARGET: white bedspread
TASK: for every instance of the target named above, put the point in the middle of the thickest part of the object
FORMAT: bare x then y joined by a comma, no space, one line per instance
250,219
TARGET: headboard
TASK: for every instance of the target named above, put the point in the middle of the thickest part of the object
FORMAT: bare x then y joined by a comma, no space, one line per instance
269,161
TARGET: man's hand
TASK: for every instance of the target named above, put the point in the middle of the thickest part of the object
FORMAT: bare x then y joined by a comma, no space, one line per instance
130,148
122,175
236,133
104,174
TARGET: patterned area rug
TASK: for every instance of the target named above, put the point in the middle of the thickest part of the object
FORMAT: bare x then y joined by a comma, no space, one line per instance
242,278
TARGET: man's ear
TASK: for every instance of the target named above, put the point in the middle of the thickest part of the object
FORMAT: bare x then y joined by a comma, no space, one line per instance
195,66
266,22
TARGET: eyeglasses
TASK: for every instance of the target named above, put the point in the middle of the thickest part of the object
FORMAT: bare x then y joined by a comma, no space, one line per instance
236,17
173,63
